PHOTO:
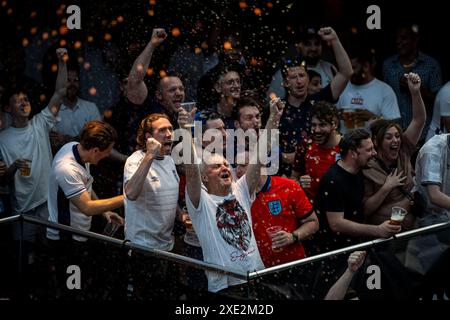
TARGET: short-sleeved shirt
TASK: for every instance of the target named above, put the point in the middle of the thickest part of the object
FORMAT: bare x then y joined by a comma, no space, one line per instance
69,177
375,96
149,219
224,229
314,160
429,71
441,109
32,143
73,119
432,168
281,203
339,191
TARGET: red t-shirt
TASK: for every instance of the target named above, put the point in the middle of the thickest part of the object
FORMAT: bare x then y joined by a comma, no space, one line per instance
282,204
313,160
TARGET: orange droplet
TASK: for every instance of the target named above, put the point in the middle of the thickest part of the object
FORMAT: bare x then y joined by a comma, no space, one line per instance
42,97
198,50
176,32
63,30
9,12
204,45
59,11
150,71
151,13
4,3
54,33
257,11
269,5
33,14
33,30
253,61
25,42
45,36
63,20
152,2
107,114
114,23
107,36
77,45
120,19
90,38
86,65
227,45
243,5
62,43
354,30
80,60
162,74
92,91
54,68
272,95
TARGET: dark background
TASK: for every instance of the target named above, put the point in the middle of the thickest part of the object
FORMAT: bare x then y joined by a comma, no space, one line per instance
263,37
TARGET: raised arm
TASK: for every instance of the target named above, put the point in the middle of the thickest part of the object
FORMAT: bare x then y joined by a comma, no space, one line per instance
414,130
254,168
343,62
61,82
192,170
133,187
136,89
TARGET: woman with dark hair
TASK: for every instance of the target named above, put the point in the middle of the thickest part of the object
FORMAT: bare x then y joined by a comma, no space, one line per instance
388,180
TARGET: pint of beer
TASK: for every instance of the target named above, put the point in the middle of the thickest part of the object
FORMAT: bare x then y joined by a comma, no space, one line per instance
26,171
397,215
347,116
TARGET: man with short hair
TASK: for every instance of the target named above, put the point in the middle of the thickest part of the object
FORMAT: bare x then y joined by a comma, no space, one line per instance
220,212
294,124
25,149
369,97
72,201
310,47
316,155
340,196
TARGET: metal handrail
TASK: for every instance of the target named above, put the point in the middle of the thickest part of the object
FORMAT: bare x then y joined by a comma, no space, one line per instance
10,219
364,245
142,249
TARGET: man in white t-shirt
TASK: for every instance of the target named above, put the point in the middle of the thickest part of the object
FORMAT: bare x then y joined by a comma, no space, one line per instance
25,149
151,186
220,211
369,97
71,199
440,123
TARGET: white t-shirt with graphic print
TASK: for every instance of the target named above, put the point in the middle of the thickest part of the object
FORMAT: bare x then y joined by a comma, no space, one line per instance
224,228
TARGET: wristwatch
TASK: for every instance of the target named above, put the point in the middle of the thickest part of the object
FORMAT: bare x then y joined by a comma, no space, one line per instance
295,237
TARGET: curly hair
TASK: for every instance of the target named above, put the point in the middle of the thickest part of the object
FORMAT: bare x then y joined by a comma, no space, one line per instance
146,126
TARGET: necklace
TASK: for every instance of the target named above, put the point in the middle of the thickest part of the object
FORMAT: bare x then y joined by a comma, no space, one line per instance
410,65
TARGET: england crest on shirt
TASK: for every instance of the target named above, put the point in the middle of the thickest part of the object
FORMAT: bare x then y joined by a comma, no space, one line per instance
275,207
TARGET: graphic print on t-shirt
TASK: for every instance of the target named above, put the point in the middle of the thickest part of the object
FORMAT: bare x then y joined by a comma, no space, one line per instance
233,224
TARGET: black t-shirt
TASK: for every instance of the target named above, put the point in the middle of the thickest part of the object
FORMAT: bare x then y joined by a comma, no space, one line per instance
339,191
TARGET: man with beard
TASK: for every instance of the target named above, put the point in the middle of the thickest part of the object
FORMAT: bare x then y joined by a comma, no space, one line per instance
314,157
369,97
340,196
295,122
220,212
310,47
